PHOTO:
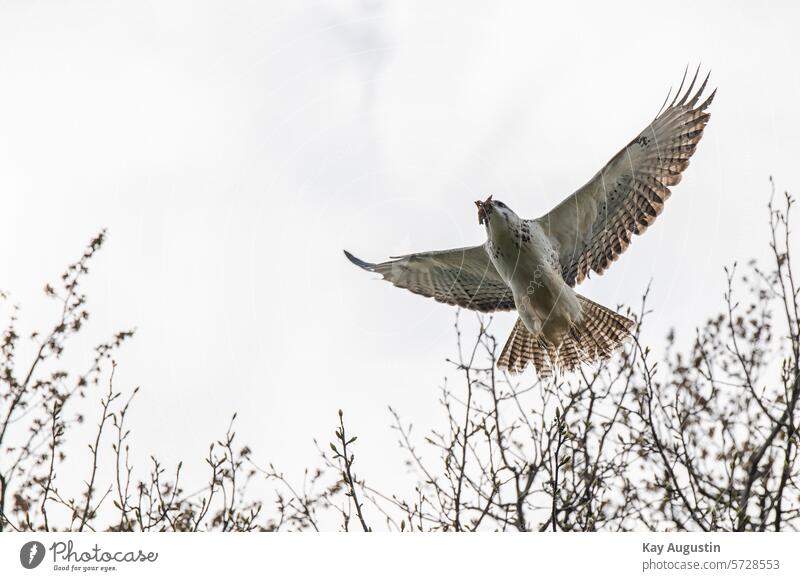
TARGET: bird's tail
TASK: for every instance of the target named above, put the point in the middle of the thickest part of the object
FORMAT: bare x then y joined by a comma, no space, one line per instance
600,332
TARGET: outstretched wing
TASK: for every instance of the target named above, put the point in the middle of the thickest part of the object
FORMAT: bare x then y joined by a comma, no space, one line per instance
464,277
594,225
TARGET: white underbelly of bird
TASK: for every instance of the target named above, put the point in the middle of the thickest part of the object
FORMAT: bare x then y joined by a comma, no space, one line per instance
528,264
557,328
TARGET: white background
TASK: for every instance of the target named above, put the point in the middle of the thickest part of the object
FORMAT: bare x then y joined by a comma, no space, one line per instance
233,149
425,556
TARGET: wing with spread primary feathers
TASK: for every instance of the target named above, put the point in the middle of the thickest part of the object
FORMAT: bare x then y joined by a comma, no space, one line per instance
594,226
464,277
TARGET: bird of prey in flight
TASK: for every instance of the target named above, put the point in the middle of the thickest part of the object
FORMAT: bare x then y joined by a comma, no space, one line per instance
532,266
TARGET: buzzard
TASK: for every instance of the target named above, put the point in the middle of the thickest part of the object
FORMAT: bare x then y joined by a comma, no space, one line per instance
532,266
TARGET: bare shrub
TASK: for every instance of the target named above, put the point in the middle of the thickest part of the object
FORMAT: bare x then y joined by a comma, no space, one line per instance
702,438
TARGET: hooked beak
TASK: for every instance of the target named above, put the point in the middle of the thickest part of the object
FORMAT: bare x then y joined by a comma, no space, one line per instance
484,209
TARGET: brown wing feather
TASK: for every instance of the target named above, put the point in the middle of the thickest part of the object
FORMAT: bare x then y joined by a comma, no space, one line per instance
464,277
594,226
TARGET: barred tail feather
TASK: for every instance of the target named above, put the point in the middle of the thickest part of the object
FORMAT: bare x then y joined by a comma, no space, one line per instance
524,347
595,338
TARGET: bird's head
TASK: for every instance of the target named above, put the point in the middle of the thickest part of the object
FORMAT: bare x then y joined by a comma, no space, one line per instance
490,210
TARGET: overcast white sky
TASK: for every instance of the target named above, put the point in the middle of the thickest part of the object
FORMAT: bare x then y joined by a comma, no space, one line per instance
233,149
